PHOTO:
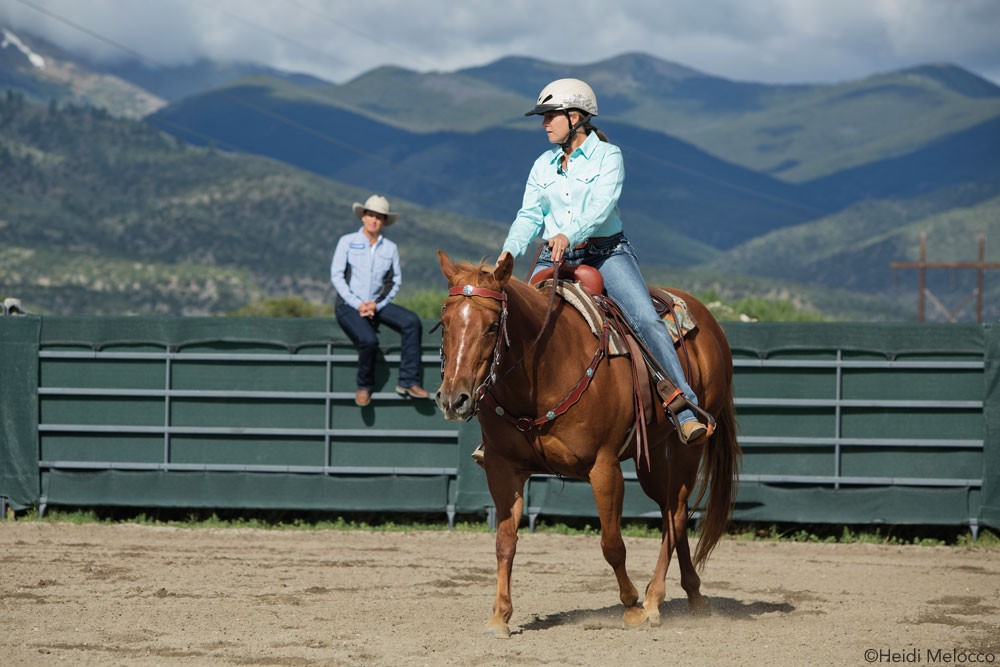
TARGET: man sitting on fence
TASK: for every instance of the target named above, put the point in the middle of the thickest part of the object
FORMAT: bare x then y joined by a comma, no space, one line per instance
365,271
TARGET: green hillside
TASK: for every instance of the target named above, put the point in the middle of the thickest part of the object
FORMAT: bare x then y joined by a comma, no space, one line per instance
57,75
795,132
824,302
853,249
109,216
682,190
821,130
104,215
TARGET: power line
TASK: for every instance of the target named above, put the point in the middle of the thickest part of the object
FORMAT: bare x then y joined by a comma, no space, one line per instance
270,31
420,176
732,186
678,167
268,113
356,31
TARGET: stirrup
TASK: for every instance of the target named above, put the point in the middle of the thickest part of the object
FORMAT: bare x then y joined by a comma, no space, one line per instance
479,456
675,402
697,431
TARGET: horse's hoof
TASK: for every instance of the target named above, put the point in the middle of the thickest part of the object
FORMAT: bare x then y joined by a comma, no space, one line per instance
698,605
654,619
498,631
635,616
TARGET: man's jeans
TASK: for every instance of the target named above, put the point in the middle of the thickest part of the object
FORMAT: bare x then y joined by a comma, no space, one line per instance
361,330
615,259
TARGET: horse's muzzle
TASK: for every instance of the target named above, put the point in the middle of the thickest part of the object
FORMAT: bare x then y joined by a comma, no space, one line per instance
455,405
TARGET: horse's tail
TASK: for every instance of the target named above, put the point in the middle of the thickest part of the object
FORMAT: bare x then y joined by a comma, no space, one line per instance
719,472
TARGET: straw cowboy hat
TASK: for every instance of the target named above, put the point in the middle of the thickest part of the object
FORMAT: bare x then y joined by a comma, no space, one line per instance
376,203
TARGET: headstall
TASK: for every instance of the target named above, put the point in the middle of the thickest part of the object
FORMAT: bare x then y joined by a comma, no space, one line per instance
526,425
491,377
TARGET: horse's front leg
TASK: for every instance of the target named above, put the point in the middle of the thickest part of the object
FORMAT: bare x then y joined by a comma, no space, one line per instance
507,489
609,492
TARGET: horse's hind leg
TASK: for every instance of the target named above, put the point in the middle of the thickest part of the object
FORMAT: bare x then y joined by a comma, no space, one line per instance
690,581
683,478
609,491
507,489
670,486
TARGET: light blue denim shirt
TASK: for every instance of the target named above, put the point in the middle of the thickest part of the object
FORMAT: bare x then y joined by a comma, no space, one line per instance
369,271
580,202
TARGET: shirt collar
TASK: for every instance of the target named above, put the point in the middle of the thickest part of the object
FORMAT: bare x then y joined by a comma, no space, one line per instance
361,233
586,149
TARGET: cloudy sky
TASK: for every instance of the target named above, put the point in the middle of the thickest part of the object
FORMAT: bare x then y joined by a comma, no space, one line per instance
758,40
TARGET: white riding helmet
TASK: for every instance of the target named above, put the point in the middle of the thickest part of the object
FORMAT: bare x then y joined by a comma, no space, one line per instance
563,95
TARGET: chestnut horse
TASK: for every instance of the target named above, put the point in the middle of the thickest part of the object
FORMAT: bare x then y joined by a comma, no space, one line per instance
491,322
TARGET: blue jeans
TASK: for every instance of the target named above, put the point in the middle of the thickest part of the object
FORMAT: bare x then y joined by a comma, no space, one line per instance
615,259
361,331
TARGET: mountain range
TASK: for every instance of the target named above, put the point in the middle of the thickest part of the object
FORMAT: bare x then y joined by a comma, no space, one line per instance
742,183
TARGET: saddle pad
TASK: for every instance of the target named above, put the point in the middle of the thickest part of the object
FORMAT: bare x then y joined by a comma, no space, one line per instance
573,294
683,315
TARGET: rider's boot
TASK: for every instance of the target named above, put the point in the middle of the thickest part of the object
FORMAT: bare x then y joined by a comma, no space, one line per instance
674,402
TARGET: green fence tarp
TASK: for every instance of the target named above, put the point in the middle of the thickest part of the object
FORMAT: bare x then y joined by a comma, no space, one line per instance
178,332
472,495
883,505
99,332
19,410
989,513
369,493
889,339
19,474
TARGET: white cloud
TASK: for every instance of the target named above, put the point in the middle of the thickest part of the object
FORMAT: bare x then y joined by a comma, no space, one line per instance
763,40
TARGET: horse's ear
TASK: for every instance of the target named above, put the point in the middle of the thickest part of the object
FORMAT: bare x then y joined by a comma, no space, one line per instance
503,271
447,267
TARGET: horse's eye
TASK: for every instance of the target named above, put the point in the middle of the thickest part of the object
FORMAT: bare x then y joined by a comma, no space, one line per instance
493,328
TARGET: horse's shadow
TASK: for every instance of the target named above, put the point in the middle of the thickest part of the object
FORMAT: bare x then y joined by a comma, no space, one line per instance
611,617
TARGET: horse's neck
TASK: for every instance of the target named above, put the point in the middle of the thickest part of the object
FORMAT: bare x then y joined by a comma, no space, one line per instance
526,312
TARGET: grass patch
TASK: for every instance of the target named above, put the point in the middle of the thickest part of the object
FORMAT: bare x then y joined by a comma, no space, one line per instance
919,535
193,518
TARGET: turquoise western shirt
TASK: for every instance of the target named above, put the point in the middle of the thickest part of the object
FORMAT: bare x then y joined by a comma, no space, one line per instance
579,203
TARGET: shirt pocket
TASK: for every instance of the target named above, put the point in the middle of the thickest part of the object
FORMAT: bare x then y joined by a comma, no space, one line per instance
359,260
587,173
546,187
383,262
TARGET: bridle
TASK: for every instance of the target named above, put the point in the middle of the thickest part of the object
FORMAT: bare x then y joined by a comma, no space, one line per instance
482,395
491,377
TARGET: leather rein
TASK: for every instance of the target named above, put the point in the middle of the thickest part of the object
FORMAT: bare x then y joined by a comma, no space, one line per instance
527,425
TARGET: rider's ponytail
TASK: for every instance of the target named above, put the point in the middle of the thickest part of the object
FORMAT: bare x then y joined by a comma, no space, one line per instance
588,128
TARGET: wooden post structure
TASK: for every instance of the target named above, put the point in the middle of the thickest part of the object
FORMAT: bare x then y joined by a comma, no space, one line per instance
922,265
979,280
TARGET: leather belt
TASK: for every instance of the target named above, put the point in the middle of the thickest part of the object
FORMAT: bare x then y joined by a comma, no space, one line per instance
593,239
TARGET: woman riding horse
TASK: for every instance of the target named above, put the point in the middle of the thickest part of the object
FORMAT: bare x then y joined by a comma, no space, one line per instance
555,413
571,199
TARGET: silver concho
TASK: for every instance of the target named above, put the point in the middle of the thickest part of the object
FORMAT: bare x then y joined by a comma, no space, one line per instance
467,290
550,415
499,411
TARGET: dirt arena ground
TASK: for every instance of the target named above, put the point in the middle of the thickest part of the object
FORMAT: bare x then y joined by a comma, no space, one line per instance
128,594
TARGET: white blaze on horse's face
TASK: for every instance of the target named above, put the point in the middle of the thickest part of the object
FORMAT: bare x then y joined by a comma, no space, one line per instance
467,342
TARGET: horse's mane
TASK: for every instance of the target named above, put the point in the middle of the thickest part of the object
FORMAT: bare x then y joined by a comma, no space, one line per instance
469,274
